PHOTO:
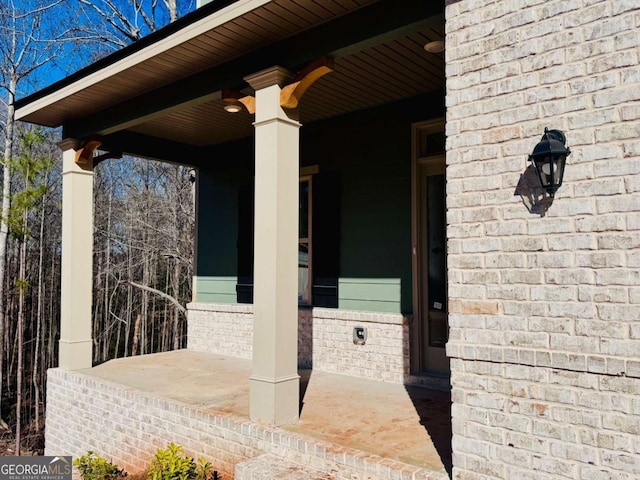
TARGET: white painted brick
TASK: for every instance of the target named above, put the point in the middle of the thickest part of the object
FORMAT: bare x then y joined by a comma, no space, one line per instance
619,167
629,76
550,260
632,184
629,313
600,223
616,96
325,339
617,132
575,343
578,171
523,308
612,61
588,75
618,241
603,294
132,430
621,6
551,325
571,242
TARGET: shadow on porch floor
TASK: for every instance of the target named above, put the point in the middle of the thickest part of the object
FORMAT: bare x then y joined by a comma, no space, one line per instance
404,423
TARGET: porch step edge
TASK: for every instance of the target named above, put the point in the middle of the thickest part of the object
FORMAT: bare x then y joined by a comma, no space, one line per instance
271,467
432,382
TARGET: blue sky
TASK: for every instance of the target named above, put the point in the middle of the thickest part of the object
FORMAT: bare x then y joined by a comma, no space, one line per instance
72,19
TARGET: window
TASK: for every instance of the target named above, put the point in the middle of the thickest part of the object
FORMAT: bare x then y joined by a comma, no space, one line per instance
304,242
318,239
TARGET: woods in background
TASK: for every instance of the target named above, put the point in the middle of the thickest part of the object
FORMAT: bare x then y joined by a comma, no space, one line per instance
144,212
143,251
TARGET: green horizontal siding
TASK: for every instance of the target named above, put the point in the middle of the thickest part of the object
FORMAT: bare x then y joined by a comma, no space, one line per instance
370,294
215,289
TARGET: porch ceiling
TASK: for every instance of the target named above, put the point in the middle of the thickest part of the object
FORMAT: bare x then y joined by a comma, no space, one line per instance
167,86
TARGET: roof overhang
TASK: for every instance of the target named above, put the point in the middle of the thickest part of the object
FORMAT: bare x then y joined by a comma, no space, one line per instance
168,85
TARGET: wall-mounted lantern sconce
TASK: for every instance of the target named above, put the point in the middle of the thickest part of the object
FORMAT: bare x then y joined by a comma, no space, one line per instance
549,157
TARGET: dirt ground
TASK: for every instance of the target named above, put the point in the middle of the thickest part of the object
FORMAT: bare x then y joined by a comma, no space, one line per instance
31,445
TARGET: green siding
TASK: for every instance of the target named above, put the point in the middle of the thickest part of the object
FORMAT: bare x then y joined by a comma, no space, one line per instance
217,225
370,151
367,155
370,294
215,289
218,188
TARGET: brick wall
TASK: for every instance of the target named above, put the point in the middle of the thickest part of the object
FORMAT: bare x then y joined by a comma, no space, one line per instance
325,339
522,422
127,427
544,305
223,329
384,356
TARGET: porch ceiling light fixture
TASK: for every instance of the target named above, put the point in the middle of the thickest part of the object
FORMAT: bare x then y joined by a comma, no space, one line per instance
549,157
232,107
234,101
436,46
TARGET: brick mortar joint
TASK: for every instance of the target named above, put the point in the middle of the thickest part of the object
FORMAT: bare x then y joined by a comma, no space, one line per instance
219,307
314,313
552,367
224,421
360,316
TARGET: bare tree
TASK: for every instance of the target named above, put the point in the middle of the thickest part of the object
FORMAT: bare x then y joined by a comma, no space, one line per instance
117,24
32,166
144,235
144,246
26,45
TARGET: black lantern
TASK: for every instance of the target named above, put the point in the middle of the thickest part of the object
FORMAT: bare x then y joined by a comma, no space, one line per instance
549,157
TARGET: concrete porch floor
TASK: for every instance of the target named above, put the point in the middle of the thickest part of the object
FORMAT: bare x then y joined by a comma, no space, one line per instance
408,424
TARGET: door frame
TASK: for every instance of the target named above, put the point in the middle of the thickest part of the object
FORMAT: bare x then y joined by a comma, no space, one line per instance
416,330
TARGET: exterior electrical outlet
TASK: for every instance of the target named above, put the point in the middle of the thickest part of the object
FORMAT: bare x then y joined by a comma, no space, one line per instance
359,335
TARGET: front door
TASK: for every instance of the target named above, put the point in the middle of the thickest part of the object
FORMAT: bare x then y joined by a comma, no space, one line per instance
430,267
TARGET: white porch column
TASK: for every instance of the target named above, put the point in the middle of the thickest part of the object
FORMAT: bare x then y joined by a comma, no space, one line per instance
274,382
77,260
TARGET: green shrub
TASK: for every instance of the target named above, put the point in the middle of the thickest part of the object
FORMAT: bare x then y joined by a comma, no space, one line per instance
93,467
170,464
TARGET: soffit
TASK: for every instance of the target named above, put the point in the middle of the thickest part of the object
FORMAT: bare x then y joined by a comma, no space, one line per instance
390,68
165,62
380,74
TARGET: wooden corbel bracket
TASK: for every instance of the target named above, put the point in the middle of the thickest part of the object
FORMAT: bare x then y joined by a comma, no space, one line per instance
291,94
86,152
249,103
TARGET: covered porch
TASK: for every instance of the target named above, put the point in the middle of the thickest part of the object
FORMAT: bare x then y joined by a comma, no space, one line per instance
321,247
349,427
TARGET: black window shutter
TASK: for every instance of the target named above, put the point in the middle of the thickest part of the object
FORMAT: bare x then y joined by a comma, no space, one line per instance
244,288
326,239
